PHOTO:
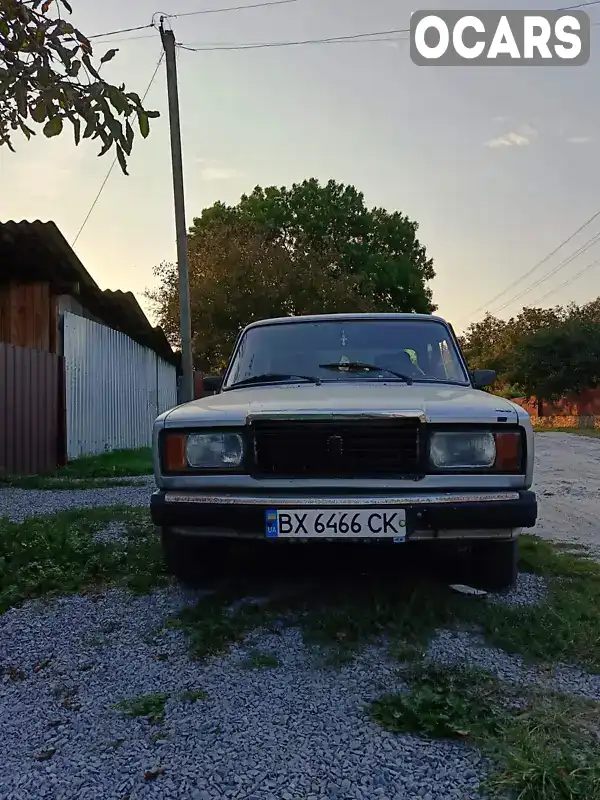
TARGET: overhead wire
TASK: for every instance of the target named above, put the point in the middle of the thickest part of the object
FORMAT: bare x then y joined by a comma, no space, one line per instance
323,40
572,279
535,266
583,249
265,4
112,166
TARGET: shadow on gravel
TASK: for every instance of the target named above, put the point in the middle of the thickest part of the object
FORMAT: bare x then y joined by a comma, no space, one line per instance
258,568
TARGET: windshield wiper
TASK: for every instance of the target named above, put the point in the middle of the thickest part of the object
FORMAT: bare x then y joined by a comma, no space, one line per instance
359,366
276,377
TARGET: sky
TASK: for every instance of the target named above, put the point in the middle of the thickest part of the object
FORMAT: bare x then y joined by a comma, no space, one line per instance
497,165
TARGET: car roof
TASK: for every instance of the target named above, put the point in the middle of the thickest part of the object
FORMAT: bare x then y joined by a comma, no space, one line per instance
344,317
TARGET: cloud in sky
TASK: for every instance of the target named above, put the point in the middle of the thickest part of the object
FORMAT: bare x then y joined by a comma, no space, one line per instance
500,119
219,174
518,138
212,171
580,139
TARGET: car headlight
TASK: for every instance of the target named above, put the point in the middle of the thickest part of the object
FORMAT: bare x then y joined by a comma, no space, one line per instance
462,450
213,450
502,451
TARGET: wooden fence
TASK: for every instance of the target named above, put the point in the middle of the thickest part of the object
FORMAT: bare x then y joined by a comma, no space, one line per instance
32,413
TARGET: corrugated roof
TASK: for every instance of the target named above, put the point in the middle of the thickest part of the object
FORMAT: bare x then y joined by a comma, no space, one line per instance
37,251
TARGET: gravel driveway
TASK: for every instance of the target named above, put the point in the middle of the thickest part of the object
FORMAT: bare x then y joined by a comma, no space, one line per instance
294,730
567,481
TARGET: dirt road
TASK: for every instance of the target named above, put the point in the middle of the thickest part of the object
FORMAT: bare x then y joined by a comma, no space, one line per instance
567,480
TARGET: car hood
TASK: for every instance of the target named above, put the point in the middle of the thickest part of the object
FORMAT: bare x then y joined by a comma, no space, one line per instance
436,403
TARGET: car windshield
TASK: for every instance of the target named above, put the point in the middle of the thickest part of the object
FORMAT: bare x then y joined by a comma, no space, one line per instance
420,349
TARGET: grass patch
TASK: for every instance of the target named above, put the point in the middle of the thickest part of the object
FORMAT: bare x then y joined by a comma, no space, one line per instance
89,472
150,706
542,746
258,660
444,703
193,695
564,628
211,626
405,614
594,433
58,555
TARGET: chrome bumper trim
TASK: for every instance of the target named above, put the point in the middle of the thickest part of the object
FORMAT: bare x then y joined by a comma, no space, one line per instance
344,501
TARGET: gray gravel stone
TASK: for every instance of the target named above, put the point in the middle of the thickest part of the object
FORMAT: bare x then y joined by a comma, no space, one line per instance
19,504
466,647
259,733
529,591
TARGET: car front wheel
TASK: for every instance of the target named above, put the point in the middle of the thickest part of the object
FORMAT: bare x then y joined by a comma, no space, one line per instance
495,564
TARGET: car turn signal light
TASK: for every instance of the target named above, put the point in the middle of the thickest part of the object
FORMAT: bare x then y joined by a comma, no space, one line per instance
508,451
175,459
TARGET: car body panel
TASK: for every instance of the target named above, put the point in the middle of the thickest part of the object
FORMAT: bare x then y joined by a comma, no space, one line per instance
432,403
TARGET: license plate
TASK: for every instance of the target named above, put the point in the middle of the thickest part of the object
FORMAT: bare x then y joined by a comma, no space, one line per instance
304,523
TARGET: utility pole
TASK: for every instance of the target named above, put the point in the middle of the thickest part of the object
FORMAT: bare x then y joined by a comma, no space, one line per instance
185,327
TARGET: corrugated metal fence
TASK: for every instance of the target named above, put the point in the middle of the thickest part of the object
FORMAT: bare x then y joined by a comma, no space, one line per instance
115,388
31,410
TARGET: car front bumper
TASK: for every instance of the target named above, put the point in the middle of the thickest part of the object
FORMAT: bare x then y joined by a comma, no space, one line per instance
439,515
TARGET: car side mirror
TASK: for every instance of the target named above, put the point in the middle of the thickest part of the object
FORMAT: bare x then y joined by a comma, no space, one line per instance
482,377
212,383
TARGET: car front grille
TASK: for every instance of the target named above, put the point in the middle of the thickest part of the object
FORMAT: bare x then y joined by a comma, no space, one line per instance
337,448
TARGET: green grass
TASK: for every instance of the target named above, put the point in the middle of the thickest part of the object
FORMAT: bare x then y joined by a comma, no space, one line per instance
590,432
89,472
543,746
259,660
444,703
192,696
150,706
58,555
212,627
564,628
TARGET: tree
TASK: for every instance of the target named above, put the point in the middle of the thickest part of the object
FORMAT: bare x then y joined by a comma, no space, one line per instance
378,248
47,76
559,360
237,275
491,343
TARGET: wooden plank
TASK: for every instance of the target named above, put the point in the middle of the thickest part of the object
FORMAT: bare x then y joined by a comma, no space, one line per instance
53,324
4,315
61,433
3,409
30,408
9,431
30,424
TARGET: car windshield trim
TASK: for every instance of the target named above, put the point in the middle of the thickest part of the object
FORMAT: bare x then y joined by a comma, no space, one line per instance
445,338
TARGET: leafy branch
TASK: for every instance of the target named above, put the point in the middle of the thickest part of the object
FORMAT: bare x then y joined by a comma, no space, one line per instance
47,78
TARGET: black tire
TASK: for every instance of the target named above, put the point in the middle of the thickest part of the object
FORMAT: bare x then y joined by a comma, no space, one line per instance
188,559
494,564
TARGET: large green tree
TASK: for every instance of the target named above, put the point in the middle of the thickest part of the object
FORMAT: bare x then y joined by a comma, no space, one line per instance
491,342
49,76
558,360
238,275
378,248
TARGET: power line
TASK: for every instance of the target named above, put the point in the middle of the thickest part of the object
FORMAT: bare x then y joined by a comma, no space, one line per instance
126,39
569,281
535,266
265,4
231,8
324,40
584,248
579,5
112,166
122,30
